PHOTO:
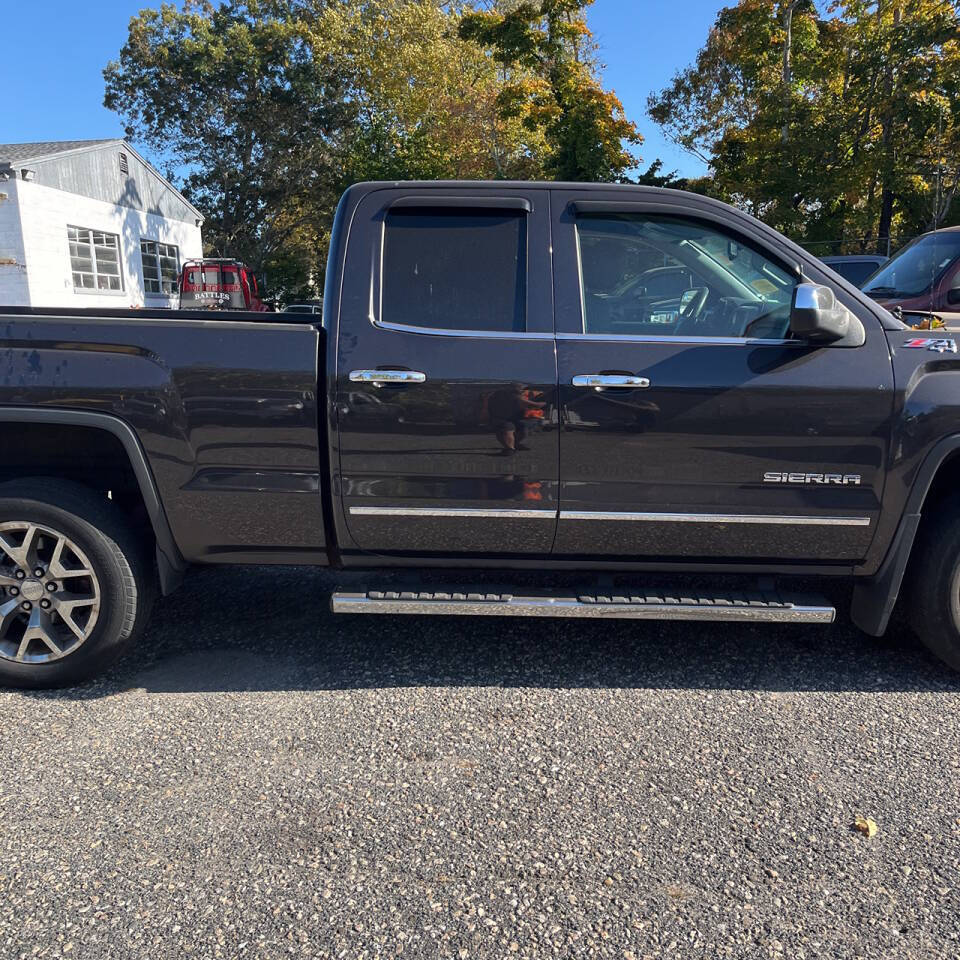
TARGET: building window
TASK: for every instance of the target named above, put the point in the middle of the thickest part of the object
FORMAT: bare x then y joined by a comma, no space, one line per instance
95,259
124,166
161,267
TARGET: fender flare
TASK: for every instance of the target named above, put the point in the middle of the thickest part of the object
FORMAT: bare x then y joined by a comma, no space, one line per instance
170,562
875,597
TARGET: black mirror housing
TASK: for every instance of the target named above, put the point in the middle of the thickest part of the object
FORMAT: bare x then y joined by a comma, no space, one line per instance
953,296
816,315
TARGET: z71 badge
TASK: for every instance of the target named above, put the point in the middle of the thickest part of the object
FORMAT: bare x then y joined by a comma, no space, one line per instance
937,346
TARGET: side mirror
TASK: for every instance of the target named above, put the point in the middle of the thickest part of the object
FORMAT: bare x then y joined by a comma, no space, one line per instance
953,296
816,315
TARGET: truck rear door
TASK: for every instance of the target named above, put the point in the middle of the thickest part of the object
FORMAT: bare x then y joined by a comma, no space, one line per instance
446,373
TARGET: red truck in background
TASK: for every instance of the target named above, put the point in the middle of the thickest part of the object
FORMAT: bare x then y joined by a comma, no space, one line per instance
219,284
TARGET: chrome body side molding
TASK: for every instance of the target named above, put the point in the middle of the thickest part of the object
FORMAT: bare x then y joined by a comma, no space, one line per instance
463,334
684,341
715,518
465,512
497,513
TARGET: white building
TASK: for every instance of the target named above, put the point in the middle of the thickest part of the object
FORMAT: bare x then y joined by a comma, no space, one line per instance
89,223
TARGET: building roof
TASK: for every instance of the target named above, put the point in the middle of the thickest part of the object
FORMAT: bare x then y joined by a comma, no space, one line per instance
25,152
13,155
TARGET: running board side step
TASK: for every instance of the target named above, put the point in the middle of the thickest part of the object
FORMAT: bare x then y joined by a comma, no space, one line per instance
766,607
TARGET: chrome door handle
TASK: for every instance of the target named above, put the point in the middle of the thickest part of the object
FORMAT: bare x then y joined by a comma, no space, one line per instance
380,377
600,380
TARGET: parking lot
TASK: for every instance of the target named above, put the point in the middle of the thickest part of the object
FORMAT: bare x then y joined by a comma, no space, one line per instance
260,779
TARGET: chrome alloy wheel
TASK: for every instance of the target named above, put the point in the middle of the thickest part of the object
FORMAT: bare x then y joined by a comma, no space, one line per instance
49,594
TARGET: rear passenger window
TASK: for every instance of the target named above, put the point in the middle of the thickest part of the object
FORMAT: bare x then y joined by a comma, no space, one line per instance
455,269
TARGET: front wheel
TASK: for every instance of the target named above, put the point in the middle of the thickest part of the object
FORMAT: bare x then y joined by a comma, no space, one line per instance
932,596
75,587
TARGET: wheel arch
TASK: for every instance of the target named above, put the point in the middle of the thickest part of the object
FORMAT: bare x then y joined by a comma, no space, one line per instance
170,562
874,598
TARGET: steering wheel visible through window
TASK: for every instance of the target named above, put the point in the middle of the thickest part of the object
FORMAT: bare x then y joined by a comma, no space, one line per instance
692,302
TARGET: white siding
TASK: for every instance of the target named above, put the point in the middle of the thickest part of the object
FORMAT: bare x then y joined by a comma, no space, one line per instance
96,173
45,213
14,290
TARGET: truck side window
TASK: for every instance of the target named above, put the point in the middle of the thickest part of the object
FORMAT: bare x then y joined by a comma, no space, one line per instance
455,269
654,275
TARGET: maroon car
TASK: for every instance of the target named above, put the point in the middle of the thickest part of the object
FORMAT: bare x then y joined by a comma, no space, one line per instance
923,276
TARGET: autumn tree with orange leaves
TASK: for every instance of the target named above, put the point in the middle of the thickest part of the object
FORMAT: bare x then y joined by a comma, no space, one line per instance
552,85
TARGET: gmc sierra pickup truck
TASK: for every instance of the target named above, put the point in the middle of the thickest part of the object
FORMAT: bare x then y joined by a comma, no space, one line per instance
606,386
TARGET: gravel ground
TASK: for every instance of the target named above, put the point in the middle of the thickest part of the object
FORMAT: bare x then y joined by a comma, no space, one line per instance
260,779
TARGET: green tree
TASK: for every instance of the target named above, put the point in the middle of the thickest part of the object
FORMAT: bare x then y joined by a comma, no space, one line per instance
239,96
904,79
737,107
549,61
268,109
426,100
826,125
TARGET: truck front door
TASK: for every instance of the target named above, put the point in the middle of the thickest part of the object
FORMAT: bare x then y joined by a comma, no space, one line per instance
693,426
446,374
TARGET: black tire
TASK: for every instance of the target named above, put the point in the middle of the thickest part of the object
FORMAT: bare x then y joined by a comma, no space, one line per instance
119,558
932,595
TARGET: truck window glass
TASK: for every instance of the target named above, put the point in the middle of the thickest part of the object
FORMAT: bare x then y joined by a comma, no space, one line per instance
917,267
856,271
666,276
455,270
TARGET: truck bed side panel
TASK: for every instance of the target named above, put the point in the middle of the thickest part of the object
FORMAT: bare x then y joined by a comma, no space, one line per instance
226,413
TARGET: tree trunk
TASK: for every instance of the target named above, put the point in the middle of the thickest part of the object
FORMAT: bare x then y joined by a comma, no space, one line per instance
886,218
888,146
787,77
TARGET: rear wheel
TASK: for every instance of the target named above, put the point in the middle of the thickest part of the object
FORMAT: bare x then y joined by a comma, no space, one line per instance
933,585
75,586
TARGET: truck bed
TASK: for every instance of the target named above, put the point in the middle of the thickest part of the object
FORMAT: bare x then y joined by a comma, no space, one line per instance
223,406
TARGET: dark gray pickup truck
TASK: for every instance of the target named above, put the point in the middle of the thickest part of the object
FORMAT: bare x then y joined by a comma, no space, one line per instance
610,387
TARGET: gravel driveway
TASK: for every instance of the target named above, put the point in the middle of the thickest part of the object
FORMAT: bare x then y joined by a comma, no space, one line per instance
262,780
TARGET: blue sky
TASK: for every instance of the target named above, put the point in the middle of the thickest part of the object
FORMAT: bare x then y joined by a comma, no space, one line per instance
53,88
